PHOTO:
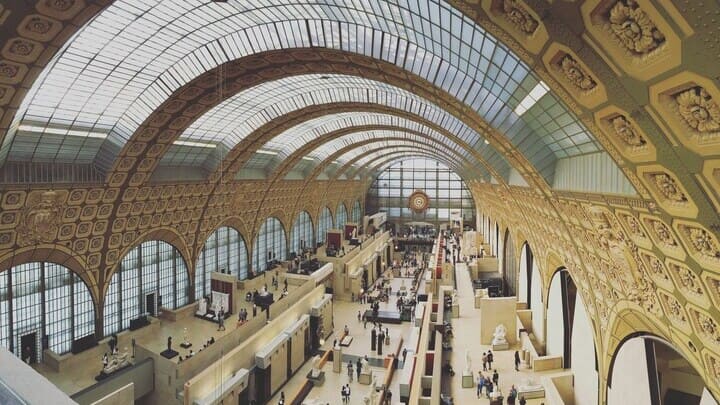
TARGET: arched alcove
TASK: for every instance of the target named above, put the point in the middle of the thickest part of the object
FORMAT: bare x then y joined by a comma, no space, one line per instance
151,275
646,369
356,213
43,299
224,251
561,305
525,274
301,235
509,266
340,216
325,222
270,245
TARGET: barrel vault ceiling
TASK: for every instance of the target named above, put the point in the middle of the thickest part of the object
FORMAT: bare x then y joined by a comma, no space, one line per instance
184,115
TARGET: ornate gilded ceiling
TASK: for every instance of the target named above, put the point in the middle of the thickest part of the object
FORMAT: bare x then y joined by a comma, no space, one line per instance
637,80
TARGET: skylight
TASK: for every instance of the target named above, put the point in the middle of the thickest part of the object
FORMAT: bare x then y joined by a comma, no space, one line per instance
533,97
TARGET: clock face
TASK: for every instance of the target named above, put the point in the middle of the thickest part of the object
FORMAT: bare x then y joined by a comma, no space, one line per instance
418,201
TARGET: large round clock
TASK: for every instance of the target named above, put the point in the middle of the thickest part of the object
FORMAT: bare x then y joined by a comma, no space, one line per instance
418,201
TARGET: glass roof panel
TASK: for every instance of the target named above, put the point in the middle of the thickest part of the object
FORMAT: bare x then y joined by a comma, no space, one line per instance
125,62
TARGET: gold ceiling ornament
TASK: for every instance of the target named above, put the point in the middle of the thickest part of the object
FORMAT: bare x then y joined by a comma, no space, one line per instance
40,220
519,17
576,75
418,201
627,133
634,29
667,186
699,110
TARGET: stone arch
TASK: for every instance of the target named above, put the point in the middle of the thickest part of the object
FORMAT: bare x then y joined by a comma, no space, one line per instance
166,234
652,353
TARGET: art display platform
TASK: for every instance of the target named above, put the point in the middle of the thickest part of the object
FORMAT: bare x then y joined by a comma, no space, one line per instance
392,317
169,354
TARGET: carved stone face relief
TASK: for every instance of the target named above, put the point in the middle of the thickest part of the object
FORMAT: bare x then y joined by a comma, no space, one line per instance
699,110
625,131
633,29
667,186
575,74
519,17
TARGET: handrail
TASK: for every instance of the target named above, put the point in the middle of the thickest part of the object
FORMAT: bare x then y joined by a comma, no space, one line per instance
390,370
305,389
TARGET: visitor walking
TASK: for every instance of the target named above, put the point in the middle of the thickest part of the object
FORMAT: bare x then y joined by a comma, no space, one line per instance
495,377
480,384
350,370
522,401
517,361
484,361
490,359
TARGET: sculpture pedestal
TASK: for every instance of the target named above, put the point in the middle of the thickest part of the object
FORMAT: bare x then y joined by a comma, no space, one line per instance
500,346
467,381
316,380
365,378
456,310
337,360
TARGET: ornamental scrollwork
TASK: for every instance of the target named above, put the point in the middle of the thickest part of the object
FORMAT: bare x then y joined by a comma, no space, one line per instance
699,110
519,17
667,186
40,219
626,132
634,29
575,74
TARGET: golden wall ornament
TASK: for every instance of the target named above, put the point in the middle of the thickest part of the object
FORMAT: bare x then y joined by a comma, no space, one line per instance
633,28
699,110
575,74
40,219
667,186
519,17
626,132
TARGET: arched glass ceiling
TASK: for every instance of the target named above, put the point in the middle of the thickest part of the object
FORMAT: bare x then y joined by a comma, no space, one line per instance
332,146
130,58
237,117
381,138
296,137
368,154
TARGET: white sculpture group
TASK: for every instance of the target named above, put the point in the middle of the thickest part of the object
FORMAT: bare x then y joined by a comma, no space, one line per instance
499,336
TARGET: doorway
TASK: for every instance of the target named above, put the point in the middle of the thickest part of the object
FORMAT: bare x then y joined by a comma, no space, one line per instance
151,303
28,344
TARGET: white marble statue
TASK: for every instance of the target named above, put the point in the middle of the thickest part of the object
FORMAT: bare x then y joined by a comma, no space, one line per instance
499,336
315,372
202,307
185,338
374,392
468,363
365,368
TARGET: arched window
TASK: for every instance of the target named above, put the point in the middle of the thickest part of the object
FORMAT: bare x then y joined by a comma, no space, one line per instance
224,251
356,213
270,245
151,275
302,233
325,222
47,300
340,216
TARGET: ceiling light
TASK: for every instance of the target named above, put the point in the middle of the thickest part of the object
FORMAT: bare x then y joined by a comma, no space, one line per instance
487,142
60,131
266,152
308,158
533,97
195,144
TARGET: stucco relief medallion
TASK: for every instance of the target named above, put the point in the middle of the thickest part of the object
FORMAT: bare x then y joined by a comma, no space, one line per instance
633,28
576,75
40,220
519,17
699,110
